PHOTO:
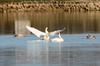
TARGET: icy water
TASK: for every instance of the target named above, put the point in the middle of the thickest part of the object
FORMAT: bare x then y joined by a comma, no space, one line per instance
76,50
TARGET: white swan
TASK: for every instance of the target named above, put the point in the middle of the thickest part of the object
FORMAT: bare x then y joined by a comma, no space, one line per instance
59,39
45,34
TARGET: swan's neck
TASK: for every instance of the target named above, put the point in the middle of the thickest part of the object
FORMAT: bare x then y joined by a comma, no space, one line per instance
59,36
46,37
46,30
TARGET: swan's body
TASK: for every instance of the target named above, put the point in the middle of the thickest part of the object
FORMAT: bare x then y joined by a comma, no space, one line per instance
90,37
59,39
45,34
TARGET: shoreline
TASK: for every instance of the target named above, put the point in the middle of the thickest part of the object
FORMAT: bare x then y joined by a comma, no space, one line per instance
67,6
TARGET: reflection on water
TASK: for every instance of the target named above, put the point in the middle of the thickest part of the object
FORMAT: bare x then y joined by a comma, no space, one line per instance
75,22
20,26
43,53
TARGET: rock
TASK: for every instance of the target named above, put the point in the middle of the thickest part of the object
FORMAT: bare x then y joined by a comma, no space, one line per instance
50,5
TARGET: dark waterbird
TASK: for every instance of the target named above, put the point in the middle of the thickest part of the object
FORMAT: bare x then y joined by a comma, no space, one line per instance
90,37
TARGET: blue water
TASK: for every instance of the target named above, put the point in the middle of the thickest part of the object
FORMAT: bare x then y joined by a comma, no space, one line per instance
69,40
30,51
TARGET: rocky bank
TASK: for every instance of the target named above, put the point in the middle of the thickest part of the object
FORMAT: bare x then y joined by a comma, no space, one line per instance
49,6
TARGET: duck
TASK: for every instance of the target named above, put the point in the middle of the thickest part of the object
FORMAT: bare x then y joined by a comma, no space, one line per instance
90,37
45,35
18,35
59,39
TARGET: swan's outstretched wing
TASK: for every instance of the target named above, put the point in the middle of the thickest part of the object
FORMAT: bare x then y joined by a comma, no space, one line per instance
35,31
55,32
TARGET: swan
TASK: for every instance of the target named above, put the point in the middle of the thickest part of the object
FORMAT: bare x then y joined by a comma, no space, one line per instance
59,39
45,35
90,37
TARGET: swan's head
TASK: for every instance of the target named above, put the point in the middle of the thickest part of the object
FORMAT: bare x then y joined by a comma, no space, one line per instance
46,28
64,28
